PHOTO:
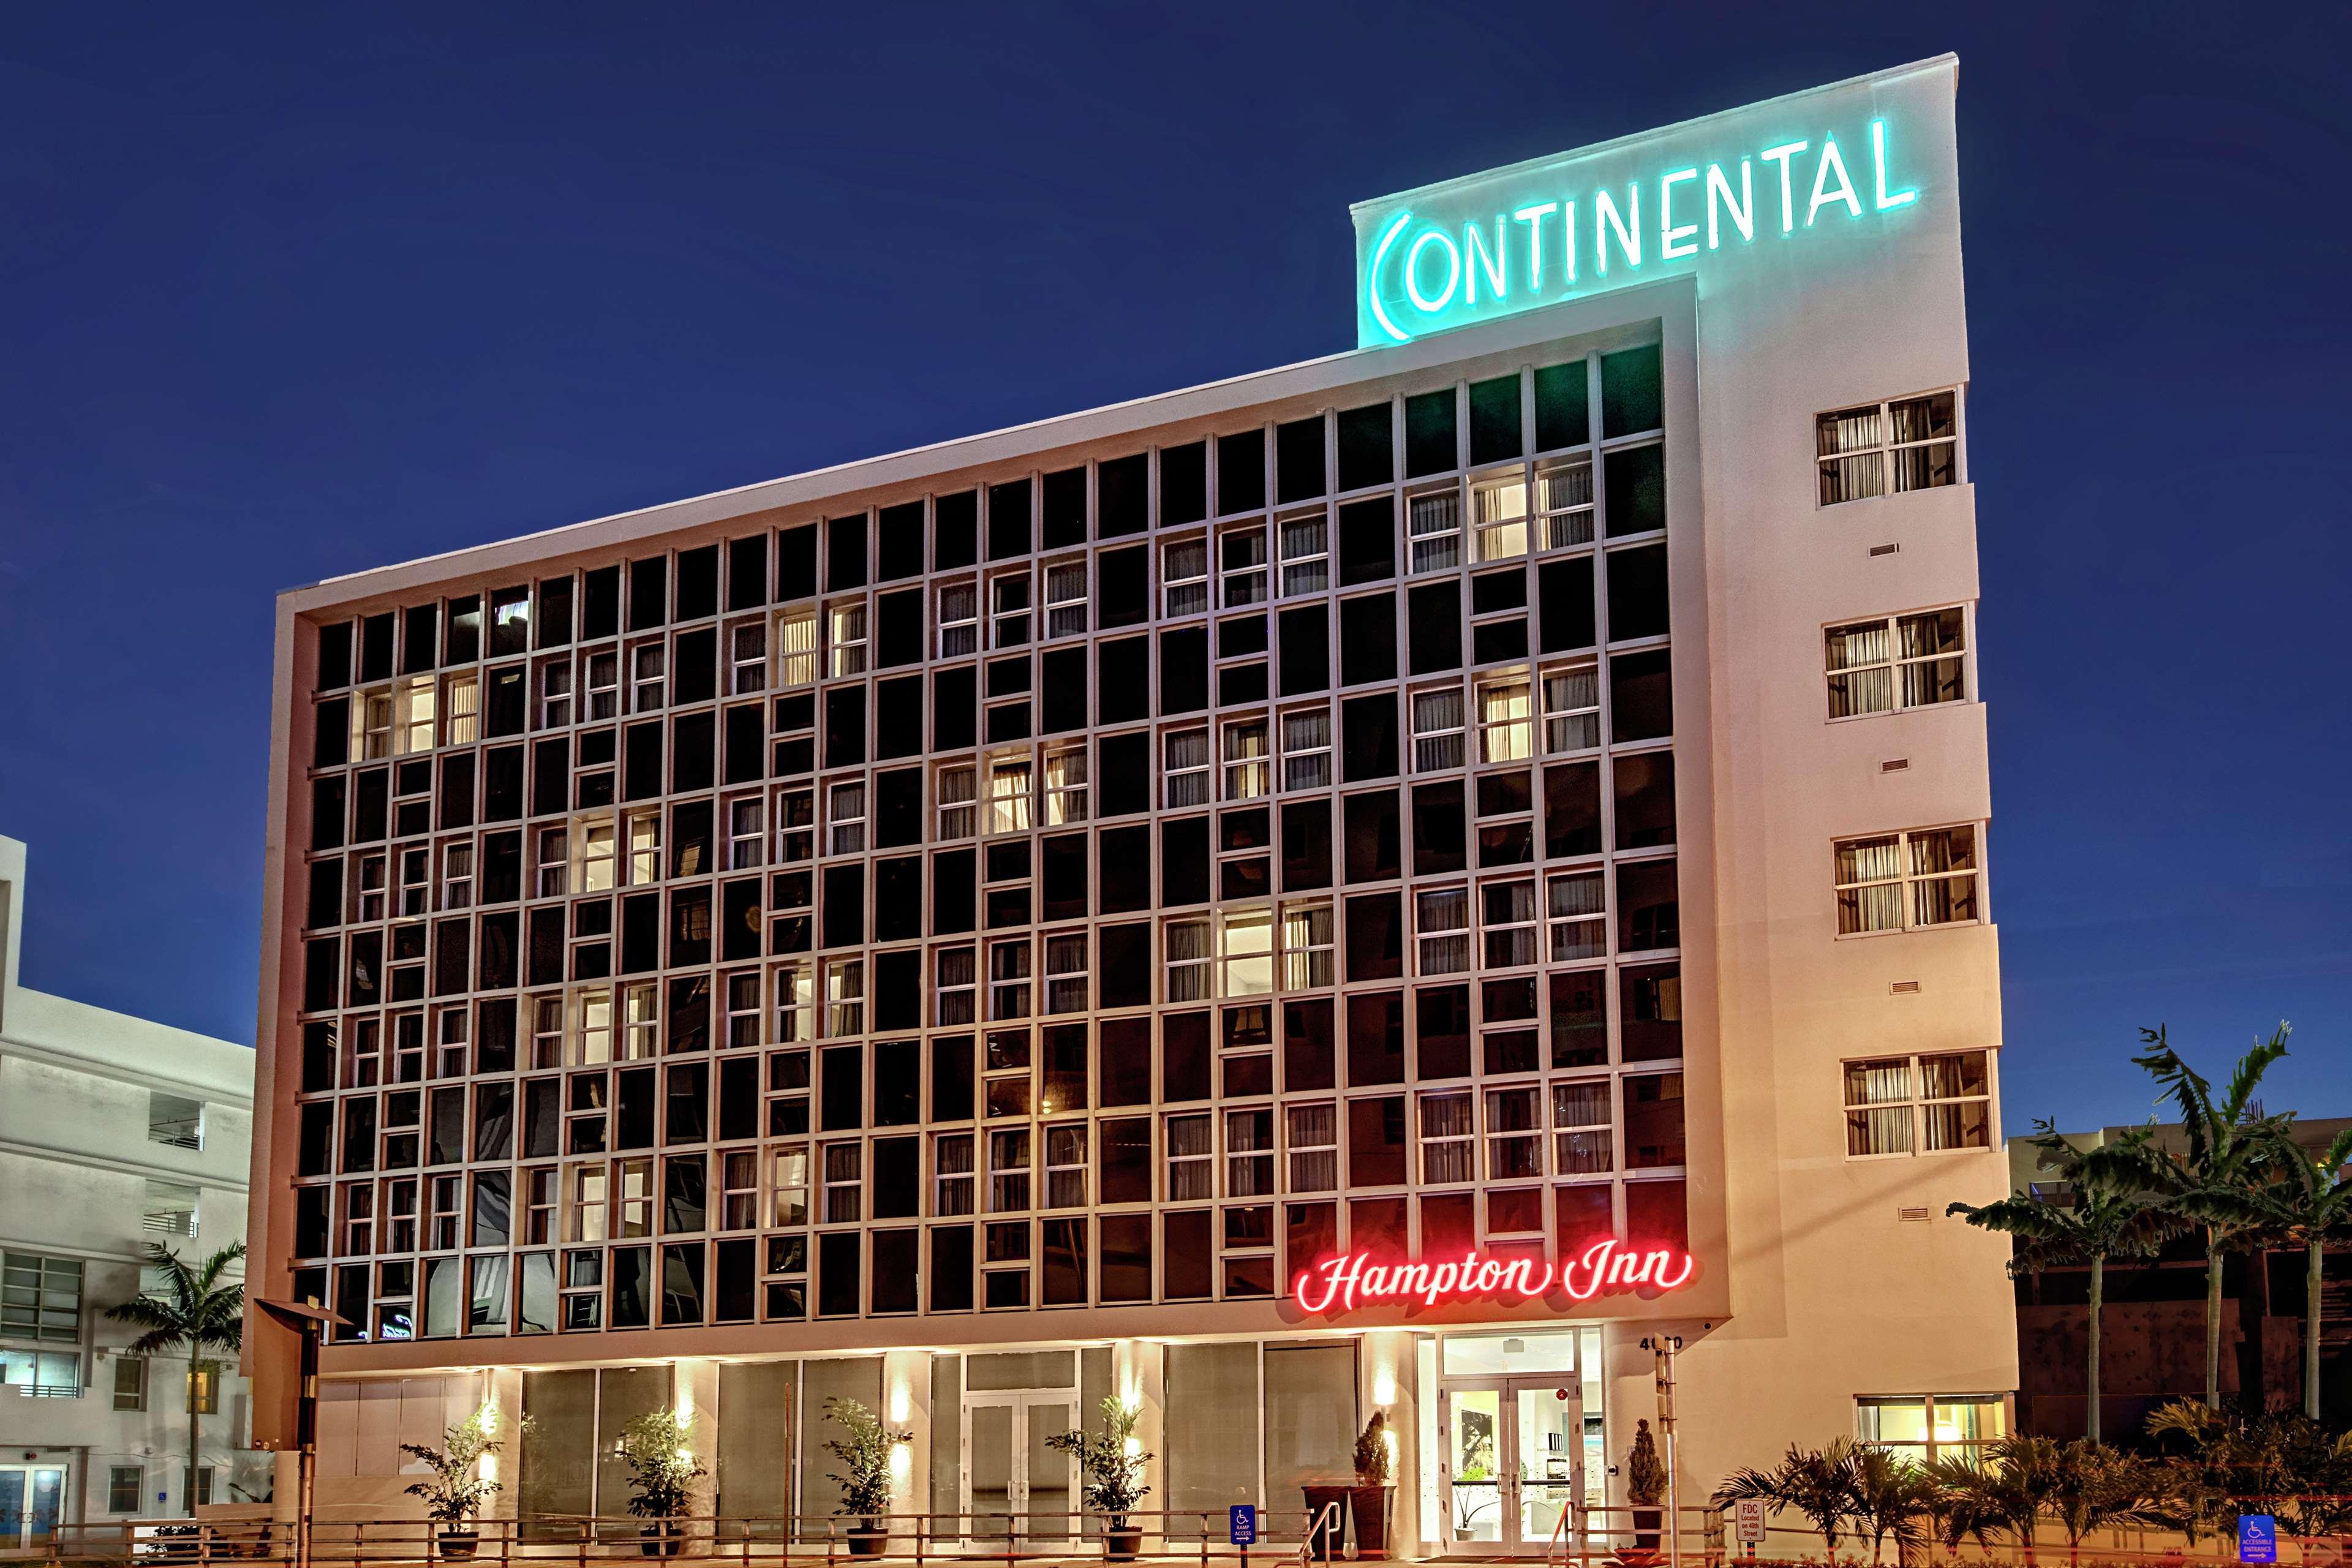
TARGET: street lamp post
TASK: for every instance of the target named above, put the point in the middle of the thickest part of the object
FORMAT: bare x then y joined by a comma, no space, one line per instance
307,1319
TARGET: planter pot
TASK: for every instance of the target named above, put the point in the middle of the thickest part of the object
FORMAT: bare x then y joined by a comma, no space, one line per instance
868,1540
660,1539
1371,1505
457,1543
1122,1542
1325,1542
1648,1523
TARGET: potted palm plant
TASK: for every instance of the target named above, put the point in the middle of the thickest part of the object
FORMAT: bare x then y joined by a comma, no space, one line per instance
1112,1465
661,1469
1369,1499
863,1450
1646,1488
458,1490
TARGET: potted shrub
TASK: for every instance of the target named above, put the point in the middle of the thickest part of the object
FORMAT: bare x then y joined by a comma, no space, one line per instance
1646,1488
458,1490
1369,1499
863,1450
661,1471
1113,1476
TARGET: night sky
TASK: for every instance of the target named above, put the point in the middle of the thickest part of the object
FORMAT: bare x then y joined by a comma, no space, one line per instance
290,292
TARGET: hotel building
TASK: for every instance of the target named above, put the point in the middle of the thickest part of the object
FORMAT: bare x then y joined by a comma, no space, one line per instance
1002,925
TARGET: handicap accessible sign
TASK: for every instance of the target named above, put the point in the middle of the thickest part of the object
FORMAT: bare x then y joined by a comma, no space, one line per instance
2257,1538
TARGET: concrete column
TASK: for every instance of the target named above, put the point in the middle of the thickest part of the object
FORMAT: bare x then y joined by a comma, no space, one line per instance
906,1407
694,1392
1140,1377
502,1394
1388,1371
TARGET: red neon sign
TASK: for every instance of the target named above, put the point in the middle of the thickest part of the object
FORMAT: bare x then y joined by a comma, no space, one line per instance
1356,1279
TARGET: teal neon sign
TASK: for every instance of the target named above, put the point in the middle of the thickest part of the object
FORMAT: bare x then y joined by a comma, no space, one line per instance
1464,254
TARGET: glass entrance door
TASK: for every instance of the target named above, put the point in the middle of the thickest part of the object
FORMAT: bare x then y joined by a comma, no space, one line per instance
1009,1472
30,1499
1514,1461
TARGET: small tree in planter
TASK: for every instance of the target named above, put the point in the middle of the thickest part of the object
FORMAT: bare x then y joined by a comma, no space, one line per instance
1113,1476
661,1469
458,1490
1646,1488
1368,1500
863,1450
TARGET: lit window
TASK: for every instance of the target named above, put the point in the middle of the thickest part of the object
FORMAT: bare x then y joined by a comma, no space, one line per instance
1306,554
1500,511
1927,1427
747,656
788,1185
849,639
1507,913
845,999
1565,493
959,620
1249,954
591,1032
1008,611
1583,1130
959,787
1434,524
795,1003
1903,880
1442,922
1924,1104
1911,443
1008,793
645,848
1191,1159
648,667
1307,947
1190,950
416,706
1504,729
1910,661
1066,785
1184,770
797,648
1306,749
1184,578
1065,598
1241,565
372,725
1514,1133
1578,907
597,855
1248,760
1448,1153
1314,1132
461,711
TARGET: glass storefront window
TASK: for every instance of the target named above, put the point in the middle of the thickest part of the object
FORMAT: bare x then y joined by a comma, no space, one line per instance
1310,1419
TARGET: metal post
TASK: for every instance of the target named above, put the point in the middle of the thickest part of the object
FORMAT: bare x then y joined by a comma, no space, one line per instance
306,1437
1664,1347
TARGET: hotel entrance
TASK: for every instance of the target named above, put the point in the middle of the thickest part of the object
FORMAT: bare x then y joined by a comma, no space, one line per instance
1009,1469
1521,1449
31,1498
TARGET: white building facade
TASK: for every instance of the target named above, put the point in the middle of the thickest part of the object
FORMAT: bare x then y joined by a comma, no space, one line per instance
114,1133
1371,888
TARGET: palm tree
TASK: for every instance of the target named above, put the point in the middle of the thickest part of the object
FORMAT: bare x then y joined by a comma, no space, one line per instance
2108,1212
195,1312
1891,1497
2222,1152
2306,1201
1817,1483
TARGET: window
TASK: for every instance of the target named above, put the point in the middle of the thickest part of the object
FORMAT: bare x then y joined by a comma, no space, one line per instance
1066,785
1249,954
1008,1170
746,834
1188,948
540,1204
368,901
1249,765
1447,1150
1499,508
797,648
959,620
203,1390
1565,494
845,812
129,1385
1008,793
1241,563
1306,554
43,1374
848,638
372,726
742,1008
738,1190
1434,523
1507,911
1066,1165
171,1209
1578,910
1184,770
956,995
1306,749
417,727
1185,577
1921,1104
1008,611
1514,1133
1505,728
463,709
1911,443
1191,1154
124,1483
1065,972
1899,881
1249,1153
554,867
603,684
416,881
951,1174
747,658
957,787
795,1003
457,875
1927,1427
645,848
648,666
1008,979
1910,661
1307,947
845,999
1571,709
788,1184
174,1122
1442,922
1583,1130
1065,598
1437,730
1314,1131
844,1182
41,1299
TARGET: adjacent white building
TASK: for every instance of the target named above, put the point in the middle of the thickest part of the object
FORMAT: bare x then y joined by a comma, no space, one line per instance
114,1133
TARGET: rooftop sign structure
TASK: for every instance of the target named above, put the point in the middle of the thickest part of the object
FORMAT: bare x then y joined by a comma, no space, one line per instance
1833,166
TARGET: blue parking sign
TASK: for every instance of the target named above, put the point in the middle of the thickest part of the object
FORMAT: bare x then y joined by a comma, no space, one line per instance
2257,1538
1245,1523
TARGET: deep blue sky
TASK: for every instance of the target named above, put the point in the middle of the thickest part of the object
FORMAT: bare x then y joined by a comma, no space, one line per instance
295,291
